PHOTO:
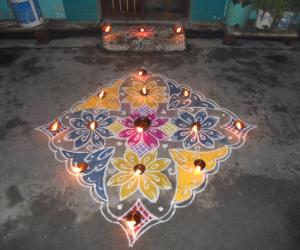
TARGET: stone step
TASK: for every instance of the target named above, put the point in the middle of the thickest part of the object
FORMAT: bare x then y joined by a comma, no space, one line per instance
146,37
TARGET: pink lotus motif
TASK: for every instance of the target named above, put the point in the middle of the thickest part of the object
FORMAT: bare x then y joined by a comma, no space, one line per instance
149,136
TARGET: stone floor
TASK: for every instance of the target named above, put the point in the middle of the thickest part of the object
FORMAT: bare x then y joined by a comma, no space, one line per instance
252,203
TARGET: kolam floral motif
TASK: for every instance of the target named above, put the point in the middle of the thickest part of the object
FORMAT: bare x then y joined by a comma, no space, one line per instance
144,146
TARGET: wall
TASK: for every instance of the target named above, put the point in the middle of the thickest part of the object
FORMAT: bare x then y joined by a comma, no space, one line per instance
50,9
82,10
207,10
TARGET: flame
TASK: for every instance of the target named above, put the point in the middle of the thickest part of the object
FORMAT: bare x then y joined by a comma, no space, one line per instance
54,126
93,125
186,93
138,172
107,28
238,125
195,128
198,169
101,94
76,169
141,73
139,129
131,224
142,30
144,90
178,30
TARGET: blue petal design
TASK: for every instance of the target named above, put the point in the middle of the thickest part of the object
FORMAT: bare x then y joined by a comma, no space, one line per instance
96,178
174,89
104,132
83,140
206,141
97,162
181,134
200,116
97,139
75,134
174,102
191,140
101,116
214,134
210,122
187,117
87,116
107,121
77,123
180,123
196,101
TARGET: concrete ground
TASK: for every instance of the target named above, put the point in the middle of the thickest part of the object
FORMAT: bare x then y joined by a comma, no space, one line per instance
252,203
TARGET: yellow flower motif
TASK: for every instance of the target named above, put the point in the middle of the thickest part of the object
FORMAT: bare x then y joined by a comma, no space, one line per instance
148,182
156,94
110,101
188,179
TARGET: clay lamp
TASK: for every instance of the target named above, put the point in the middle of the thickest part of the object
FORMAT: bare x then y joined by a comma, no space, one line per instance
196,126
185,93
92,125
55,126
239,125
133,219
178,29
80,167
144,91
139,169
106,28
142,72
101,94
199,165
142,123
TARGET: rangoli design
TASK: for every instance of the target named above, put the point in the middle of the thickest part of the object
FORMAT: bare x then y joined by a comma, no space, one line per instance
144,145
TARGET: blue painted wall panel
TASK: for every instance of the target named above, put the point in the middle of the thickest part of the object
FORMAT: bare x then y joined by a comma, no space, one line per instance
5,12
207,10
50,9
82,10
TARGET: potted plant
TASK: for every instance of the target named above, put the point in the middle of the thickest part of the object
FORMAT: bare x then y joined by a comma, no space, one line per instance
268,11
238,12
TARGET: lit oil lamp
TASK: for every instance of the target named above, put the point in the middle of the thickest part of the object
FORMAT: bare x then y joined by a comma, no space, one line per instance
106,28
80,167
92,125
133,219
101,94
239,125
55,126
199,165
196,126
185,93
178,29
142,72
139,169
144,91
142,123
